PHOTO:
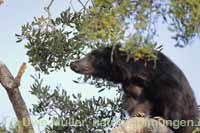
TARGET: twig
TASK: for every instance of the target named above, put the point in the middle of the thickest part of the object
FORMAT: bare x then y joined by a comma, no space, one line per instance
50,4
72,6
87,2
48,10
20,73
92,2
82,4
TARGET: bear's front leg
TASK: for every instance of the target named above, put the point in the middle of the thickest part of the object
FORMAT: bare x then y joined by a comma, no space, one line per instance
135,107
134,99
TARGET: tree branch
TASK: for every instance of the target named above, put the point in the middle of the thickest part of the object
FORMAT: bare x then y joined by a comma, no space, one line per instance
20,73
11,86
48,10
1,2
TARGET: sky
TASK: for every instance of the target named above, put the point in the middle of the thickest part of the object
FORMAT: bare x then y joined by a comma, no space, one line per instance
13,14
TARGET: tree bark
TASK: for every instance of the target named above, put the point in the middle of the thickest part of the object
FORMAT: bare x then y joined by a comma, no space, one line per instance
141,125
11,85
1,2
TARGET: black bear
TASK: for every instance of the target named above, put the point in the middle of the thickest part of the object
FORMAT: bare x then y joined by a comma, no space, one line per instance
163,90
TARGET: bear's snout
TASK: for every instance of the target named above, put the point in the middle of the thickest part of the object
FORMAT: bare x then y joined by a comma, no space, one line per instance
74,66
82,66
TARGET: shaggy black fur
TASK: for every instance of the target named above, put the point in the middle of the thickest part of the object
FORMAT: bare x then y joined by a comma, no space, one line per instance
164,86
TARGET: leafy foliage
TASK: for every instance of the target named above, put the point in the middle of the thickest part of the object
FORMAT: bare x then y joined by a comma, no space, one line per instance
49,46
3,130
88,115
10,129
102,84
185,16
53,43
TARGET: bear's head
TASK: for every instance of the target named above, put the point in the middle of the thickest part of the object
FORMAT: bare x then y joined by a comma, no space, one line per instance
98,64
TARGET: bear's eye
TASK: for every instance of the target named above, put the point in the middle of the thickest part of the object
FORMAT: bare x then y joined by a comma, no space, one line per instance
91,58
100,61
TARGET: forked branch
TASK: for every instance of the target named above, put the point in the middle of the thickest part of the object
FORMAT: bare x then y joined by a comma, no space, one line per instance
11,85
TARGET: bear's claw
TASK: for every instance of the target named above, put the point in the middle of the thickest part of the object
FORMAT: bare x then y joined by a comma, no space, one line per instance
139,114
160,119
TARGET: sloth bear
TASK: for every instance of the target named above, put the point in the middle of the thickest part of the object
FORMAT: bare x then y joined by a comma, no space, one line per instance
156,88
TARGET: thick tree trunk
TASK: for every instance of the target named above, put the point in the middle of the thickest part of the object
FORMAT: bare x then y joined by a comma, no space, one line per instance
141,125
11,85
